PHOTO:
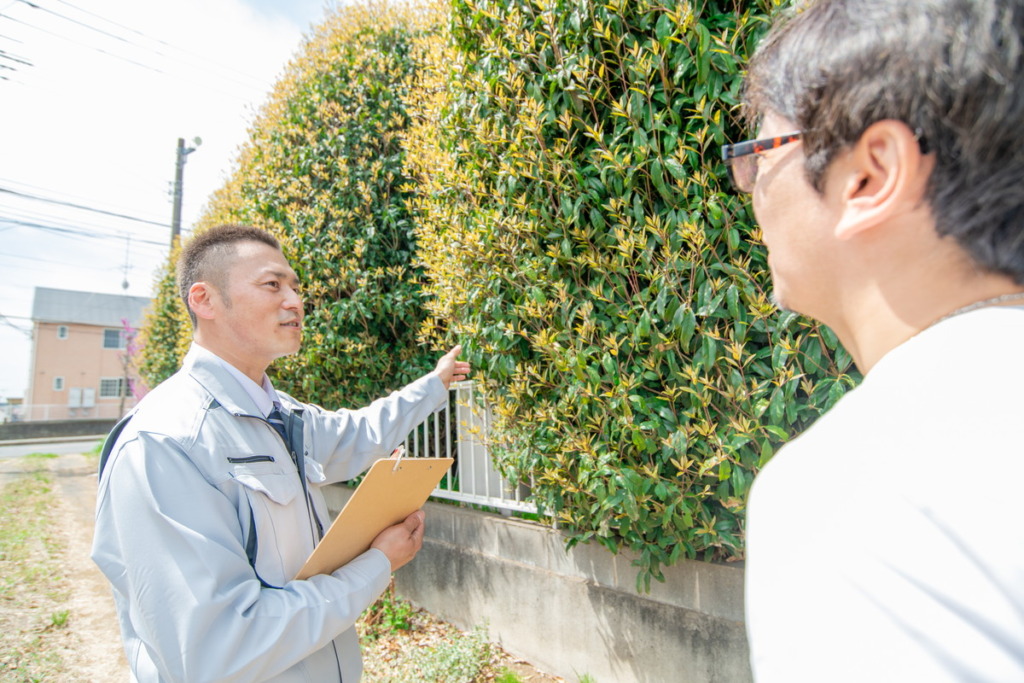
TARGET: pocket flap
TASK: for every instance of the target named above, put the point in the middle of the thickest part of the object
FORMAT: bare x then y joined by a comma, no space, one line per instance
268,479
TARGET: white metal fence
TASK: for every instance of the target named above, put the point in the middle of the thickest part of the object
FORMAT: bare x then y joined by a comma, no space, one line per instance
460,431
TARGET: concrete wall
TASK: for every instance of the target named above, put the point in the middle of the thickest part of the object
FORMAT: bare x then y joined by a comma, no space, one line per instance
54,428
576,612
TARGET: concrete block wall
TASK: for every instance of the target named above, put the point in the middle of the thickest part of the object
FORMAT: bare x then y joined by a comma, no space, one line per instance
576,612
42,429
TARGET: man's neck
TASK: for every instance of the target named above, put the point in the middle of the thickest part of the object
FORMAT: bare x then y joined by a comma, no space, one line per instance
253,371
884,317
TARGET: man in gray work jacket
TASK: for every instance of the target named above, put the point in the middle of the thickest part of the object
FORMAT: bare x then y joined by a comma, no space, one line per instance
205,511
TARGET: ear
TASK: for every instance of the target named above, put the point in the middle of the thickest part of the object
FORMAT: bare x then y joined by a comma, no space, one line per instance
202,300
882,176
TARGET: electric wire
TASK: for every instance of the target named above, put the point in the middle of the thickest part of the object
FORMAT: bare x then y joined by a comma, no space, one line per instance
205,63
256,79
123,182
82,207
71,231
197,78
9,213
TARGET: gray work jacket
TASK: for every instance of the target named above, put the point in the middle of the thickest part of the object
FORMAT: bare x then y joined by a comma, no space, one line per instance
195,467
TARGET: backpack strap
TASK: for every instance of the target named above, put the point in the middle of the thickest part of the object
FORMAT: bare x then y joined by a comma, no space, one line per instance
108,444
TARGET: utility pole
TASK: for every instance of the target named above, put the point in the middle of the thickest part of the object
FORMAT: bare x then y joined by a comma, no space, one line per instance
179,172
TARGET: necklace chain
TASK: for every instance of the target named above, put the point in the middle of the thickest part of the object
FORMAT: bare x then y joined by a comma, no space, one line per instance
1002,298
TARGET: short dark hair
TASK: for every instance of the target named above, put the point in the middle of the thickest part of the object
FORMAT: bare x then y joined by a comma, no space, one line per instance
951,70
206,257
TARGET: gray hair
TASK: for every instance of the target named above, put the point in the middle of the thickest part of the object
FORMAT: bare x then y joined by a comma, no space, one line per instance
952,70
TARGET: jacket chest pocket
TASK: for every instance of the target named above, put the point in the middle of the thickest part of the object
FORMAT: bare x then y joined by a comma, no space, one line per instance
258,475
272,524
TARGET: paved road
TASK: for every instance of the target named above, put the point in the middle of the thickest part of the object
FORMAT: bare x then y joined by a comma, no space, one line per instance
16,449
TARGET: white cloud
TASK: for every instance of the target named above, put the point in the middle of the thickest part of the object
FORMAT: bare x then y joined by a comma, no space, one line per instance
95,121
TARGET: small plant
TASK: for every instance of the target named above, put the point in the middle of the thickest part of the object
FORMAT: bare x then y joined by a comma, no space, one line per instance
59,619
508,676
587,678
388,615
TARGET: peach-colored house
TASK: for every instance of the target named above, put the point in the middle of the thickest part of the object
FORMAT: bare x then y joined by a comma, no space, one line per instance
79,364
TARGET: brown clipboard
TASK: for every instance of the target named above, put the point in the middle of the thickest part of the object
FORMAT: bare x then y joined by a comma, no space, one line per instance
391,491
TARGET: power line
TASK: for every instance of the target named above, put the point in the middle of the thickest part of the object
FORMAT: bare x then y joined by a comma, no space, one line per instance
4,54
205,63
73,21
53,262
22,186
205,60
8,213
214,85
71,231
82,207
72,40
4,319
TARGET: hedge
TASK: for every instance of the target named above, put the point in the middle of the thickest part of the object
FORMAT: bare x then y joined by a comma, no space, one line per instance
323,171
166,331
541,182
580,237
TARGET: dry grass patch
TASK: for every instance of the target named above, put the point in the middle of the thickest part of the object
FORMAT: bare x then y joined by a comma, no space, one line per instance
33,584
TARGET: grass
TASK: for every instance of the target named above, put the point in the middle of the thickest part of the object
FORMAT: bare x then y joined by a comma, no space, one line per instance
38,459
33,587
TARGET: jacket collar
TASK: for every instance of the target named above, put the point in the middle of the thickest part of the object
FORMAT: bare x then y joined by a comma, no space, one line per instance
206,368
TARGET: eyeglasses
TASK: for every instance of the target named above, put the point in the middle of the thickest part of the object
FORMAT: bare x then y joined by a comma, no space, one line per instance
743,158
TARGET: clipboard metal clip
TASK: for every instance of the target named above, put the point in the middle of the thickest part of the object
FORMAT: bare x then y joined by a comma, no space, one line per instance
398,454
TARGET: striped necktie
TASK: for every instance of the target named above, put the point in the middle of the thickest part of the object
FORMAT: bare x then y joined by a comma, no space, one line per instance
276,420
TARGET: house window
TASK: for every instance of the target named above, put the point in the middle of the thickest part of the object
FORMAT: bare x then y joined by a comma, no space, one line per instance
112,387
62,332
58,384
113,339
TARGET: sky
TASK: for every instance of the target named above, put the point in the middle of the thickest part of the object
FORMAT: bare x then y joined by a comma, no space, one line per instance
94,95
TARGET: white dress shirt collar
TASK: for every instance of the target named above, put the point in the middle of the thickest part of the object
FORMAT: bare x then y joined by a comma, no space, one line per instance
265,397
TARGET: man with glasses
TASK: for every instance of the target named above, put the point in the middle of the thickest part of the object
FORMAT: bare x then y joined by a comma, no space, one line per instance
885,543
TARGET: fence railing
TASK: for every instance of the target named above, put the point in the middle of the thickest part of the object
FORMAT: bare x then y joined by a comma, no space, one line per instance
460,431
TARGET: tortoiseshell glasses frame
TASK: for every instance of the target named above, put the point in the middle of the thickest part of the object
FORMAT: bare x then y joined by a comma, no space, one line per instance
742,158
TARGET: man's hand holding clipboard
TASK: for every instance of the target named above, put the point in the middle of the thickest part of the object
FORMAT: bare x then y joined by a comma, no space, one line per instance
384,512
402,541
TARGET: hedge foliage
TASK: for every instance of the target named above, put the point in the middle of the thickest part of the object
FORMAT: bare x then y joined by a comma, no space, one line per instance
540,181
166,332
323,171
580,236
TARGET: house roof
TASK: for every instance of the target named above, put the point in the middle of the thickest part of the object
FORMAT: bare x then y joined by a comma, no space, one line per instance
87,308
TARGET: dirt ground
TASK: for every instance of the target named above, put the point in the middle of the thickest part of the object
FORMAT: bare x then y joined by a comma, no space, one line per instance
94,649
100,656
